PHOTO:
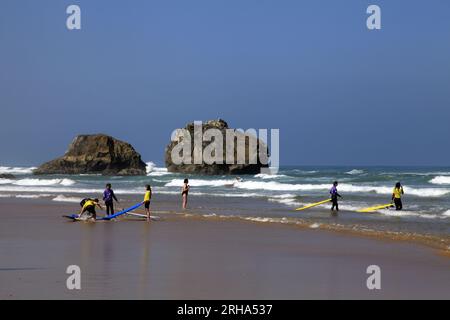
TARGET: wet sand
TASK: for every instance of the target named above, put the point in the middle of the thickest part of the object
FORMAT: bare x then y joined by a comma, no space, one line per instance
197,258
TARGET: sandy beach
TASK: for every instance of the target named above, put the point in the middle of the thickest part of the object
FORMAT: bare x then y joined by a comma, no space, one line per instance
182,257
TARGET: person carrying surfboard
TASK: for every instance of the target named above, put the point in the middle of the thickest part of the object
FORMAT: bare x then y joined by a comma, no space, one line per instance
334,196
108,198
89,206
397,196
146,202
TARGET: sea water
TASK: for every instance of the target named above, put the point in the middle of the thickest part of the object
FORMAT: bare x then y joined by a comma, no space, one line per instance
270,198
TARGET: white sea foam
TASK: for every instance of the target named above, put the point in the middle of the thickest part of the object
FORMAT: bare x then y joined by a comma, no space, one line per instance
51,189
288,201
6,181
427,192
43,182
355,171
153,170
269,176
305,171
63,198
31,196
17,170
202,183
431,173
157,174
284,196
277,186
259,219
440,180
5,195
314,225
395,213
429,216
446,213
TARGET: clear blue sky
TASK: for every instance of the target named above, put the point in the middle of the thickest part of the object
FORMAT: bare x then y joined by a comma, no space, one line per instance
339,93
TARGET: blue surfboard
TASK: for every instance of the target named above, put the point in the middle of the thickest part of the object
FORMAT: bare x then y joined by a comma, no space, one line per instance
121,212
107,218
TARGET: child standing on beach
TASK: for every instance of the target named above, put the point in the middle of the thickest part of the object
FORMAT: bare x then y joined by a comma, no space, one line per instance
146,202
108,198
334,196
185,192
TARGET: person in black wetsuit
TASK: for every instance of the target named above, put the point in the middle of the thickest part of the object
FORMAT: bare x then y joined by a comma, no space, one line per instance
334,196
185,192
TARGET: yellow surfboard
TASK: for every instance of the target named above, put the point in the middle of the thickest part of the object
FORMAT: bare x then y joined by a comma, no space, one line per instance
371,209
313,205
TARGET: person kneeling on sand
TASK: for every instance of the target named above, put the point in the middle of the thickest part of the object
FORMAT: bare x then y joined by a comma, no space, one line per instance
88,205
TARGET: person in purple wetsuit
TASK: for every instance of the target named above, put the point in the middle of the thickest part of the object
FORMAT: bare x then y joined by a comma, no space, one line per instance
109,197
334,196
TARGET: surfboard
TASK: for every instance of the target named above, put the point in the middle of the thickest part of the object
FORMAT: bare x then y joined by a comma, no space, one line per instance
142,215
313,205
375,208
137,205
74,217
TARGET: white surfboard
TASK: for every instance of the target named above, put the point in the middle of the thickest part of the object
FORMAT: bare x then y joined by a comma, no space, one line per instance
143,215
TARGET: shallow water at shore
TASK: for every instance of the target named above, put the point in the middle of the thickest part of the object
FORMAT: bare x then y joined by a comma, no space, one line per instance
270,198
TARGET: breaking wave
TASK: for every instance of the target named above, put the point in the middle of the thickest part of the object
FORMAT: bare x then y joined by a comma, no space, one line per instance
16,170
203,183
63,198
154,171
277,186
355,171
43,182
269,176
440,180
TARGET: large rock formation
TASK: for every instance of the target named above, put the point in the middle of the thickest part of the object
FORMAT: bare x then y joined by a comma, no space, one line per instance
97,153
249,167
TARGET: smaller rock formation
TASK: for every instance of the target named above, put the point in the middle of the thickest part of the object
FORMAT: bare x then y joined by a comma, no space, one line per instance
96,154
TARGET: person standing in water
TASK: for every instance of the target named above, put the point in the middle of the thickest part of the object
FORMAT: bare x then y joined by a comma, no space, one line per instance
146,202
334,196
185,192
108,198
397,196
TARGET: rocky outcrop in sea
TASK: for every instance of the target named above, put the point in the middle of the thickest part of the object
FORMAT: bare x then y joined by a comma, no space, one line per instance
223,168
96,154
